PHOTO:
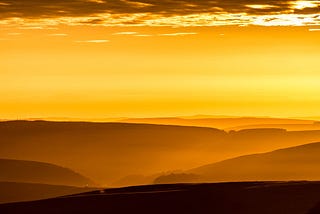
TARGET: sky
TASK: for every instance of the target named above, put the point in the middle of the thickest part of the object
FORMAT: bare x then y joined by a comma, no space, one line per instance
97,59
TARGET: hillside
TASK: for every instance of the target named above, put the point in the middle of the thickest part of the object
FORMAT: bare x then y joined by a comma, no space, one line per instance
222,198
14,192
295,163
39,172
107,152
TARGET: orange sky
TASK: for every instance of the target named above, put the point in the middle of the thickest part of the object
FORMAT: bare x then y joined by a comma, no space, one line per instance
79,70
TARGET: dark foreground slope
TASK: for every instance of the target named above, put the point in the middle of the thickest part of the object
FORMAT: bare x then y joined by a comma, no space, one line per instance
252,197
14,192
315,209
39,172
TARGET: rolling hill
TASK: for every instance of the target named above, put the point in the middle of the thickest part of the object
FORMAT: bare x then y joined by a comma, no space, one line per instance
107,152
295,163
39,172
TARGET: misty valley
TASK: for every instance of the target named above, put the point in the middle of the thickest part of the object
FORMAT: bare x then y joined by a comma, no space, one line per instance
144,164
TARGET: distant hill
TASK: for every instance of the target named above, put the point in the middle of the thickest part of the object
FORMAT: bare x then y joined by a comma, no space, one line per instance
107,152
288,127
134,180
219,122
174,178
15,192
222,198
39,172
295,163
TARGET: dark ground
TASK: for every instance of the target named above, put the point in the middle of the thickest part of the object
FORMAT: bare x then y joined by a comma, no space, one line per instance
234,198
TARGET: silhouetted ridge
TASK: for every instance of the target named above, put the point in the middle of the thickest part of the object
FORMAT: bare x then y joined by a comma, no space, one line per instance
15,192
222,198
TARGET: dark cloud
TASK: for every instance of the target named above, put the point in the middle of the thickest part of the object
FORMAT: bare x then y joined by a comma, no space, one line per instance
313,10
79,8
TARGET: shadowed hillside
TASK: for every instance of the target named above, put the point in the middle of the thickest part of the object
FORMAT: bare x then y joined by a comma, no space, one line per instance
38,172
295,163
222,198
107,152
14,192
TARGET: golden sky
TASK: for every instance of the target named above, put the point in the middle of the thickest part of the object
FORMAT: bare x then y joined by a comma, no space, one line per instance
159,58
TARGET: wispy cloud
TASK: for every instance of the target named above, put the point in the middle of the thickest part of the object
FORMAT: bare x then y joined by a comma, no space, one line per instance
137,4
300,5
4,4
58,34
178,34
143,35
31,28
93,41
14,34
125,33
97,1
164,12
260,6
314,29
